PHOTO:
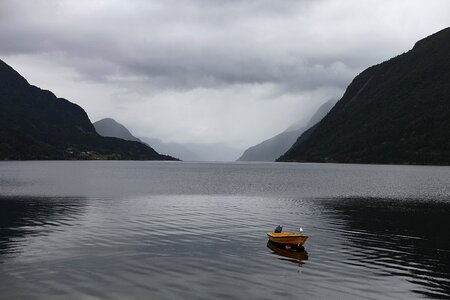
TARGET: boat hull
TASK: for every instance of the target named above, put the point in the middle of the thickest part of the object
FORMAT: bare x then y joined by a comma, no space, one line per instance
287,238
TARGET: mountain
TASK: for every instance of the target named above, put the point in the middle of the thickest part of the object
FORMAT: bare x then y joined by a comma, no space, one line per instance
396,112
194,151
271,149
188,152
110,128
173,149
35,124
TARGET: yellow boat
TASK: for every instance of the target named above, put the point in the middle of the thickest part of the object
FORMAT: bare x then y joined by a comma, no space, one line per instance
287,238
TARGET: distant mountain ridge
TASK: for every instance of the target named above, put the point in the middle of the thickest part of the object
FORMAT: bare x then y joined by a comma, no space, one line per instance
195,151
109,127
396,112
273,148
173,149
35,125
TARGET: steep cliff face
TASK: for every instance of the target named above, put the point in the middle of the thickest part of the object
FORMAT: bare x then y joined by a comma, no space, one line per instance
35,124
395,112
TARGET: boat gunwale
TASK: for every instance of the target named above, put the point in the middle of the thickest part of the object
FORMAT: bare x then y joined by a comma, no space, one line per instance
287,238
286,234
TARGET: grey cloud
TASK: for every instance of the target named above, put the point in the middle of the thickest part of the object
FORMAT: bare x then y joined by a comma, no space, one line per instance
178,44
197,43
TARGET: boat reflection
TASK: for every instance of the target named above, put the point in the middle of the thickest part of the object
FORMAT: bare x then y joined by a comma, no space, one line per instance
293,254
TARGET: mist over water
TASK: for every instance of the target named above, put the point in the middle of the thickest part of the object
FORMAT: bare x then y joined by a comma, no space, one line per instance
179,230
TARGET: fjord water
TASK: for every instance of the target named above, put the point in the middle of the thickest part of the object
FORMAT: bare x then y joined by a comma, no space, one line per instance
174,230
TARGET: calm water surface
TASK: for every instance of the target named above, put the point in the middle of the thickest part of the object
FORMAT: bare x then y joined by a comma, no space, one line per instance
174,230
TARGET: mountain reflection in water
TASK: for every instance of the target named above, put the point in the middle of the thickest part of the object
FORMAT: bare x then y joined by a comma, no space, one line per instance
398,237
24,217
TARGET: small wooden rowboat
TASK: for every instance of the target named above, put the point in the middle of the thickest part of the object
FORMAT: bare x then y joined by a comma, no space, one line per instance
287,238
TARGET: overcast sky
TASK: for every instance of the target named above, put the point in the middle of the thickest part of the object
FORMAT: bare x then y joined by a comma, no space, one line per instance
207,71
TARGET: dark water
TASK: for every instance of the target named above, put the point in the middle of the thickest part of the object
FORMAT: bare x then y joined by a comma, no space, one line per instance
148,230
